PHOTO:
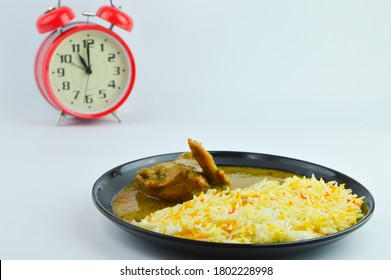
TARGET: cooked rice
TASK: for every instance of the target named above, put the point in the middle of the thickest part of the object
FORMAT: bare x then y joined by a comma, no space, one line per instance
266,212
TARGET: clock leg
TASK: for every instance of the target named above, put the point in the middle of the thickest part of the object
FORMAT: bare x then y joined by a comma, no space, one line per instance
60,118
115,114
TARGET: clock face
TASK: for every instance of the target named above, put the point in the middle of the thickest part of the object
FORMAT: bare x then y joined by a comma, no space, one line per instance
89,71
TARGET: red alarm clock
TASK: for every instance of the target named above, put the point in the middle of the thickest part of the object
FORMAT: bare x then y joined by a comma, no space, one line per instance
84,69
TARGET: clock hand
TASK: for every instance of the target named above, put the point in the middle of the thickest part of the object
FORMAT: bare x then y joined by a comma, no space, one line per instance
86,89
78,66
86,68
83,62
88,58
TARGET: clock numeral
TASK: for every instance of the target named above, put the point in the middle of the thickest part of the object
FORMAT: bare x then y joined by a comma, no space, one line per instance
65,58
111,84
77,92
111,57
76,48
117,70
60,72
88,99
66,85
88,42
102,47
102,93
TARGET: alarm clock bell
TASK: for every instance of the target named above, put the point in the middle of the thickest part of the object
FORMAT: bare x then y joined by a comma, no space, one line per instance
54,18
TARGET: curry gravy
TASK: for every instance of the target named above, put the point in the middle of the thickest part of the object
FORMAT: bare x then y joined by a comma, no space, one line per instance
131,203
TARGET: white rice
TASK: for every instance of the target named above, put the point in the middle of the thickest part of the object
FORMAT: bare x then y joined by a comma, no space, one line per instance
266,212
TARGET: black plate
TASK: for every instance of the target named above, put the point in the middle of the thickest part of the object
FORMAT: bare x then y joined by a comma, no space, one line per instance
110,183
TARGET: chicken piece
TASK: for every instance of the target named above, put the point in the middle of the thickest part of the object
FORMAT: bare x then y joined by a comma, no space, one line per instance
171,181
213,174
178,180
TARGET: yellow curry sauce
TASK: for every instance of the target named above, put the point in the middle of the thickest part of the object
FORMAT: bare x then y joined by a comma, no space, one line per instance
131,203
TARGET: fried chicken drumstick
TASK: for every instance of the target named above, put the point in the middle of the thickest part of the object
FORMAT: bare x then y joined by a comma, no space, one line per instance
178,180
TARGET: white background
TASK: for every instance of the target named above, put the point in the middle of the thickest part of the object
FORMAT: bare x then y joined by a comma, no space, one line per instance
302,79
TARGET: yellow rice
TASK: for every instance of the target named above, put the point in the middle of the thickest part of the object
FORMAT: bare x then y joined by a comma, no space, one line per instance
266,212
